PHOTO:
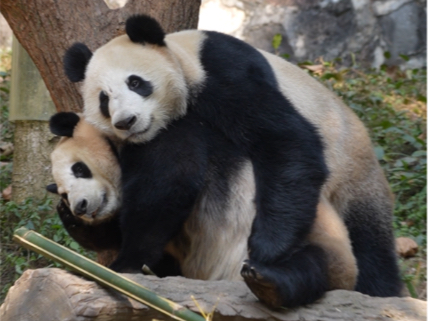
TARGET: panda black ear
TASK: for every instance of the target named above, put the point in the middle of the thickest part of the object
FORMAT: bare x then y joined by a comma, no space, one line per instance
75,60
144,29
53,188
62,124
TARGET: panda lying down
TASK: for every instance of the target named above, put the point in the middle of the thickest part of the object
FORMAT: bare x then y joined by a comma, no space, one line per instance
212,242
231,143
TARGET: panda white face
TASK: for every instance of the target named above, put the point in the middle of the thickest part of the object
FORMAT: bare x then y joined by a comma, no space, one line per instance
87,174
132,90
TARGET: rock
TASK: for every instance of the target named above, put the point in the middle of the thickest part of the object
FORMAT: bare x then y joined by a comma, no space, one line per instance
382,8
6,194
406,247
6,149
327,28
54,294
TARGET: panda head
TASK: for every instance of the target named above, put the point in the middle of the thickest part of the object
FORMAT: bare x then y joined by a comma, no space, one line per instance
85,168
132,86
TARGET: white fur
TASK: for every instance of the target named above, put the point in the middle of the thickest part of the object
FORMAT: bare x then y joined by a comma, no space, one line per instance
218,237
102,191
108,71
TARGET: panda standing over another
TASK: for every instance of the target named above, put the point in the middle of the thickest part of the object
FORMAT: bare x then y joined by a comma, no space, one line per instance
304,146
87,176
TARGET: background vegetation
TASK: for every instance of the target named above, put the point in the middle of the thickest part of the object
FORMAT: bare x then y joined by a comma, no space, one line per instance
392,104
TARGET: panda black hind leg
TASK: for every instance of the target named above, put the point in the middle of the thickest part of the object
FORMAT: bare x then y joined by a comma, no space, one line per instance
373,245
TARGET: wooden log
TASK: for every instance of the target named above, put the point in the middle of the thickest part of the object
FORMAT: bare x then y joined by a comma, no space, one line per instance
57,295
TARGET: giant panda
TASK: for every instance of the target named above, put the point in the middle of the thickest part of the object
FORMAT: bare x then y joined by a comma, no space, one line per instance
197,250
86,170
302,144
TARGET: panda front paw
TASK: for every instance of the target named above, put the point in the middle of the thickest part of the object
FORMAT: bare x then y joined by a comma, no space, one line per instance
120,266
265,289
69,220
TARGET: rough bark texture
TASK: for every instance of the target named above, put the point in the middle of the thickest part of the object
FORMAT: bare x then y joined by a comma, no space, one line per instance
31,164
46,28
54,294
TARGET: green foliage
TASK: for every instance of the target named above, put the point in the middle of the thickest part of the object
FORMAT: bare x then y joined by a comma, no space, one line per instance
36,215
413,273
392,104
6,128
276,41
5,175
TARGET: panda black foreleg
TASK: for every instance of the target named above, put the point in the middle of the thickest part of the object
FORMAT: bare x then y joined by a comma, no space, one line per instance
289,177
300,279
98,237
146,238
161,182
288,187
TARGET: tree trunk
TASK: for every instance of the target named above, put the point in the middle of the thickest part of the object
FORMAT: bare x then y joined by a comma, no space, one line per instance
31,164
47,28
30,107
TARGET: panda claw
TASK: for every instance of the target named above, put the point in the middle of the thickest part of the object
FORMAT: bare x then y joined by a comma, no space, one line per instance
262,288
256,275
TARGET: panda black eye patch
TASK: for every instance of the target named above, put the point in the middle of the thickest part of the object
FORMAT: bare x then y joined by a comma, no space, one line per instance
139,85
80,170
104,104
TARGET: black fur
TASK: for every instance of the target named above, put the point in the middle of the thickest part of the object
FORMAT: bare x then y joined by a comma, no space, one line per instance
242,100
285,149
52,188
298,279
142,87
75,60
81,170
243,106
62,124
144,29
98,237
113,147
107,235
239,114
163,180
104,100
374,248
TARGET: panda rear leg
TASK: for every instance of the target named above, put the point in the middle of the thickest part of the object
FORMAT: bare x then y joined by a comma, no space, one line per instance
373,244
330,233
301,279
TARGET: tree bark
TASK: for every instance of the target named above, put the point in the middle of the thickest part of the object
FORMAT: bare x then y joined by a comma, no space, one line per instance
54,294
31,164
47,28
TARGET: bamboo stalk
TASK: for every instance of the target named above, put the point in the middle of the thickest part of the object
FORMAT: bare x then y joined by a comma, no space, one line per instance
101,274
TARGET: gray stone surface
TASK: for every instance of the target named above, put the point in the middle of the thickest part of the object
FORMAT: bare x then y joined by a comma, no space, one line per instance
54,294
311,29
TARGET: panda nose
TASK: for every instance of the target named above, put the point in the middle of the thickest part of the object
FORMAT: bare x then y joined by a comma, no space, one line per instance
126,124
81,207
